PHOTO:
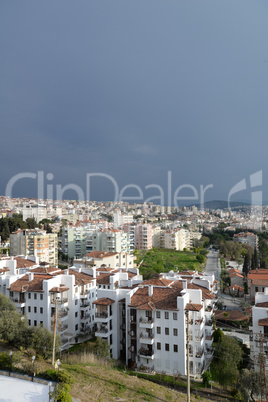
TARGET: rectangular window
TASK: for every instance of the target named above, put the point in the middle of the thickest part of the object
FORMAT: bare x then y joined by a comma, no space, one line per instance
41,310
175,316
35,323
175,332
158,346
30,322
158,330
11,294
167,347
166,331
29,295
35,309
76,302
41,323
166,315
76,314
35,296
76,327
29,309
41,296
175,348
158,314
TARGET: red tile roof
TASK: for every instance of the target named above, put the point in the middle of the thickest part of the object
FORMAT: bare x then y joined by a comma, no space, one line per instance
193,307
105,301
162,298
24,285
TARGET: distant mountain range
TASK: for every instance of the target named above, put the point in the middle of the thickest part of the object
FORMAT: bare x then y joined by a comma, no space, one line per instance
219,204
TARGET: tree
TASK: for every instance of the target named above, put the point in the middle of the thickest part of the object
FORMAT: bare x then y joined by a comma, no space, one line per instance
227,357
207,378
31,223
200,258
251,383
246,265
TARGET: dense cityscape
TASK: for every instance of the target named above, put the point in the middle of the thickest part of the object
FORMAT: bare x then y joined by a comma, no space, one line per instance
154,283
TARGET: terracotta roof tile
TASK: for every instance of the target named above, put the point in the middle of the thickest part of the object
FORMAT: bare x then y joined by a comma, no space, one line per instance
162,298
193,307
24,285
105,301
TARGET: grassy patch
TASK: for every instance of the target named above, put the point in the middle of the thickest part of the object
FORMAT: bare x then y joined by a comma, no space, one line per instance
164,260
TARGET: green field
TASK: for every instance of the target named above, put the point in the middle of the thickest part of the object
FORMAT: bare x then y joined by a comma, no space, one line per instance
156,261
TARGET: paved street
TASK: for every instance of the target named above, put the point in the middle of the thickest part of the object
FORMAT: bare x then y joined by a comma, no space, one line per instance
213,264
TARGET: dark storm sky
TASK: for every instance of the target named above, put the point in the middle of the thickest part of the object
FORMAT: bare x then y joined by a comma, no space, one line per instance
134,89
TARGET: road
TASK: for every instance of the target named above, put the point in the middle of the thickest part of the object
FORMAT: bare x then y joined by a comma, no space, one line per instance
213,264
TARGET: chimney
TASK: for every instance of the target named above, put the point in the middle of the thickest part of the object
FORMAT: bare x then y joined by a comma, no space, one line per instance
184,284
31,276
150,290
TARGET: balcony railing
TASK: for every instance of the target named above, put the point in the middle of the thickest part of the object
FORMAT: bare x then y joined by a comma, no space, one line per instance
101,315
146,320
146,352
102,330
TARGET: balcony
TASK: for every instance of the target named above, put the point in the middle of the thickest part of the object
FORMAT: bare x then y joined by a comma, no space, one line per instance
148,354
102,331
199,353
63,328
146,322
85,317
63,314
103,314
84,304
208,323
19,302
147,339
199,338
199,321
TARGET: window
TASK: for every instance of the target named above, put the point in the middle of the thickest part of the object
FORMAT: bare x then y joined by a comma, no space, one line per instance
158,330
35,309
76,302
29,310
76,327
41,310
41,296
11,294
175,348
158,346
41,323
175,316
158,314
35,323
167,347
30,322
76,314
166,315
175,332
166,331
35,296
29,295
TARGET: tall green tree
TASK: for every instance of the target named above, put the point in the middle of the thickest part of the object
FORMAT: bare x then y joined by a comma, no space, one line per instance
227,357
246,265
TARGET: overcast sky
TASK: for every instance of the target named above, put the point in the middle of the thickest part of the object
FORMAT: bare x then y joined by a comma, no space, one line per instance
134,89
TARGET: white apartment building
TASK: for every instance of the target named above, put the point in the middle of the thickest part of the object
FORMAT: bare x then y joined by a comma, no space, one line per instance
82,238
120,220
157,326
99,258
43,291
36,211
35,242
178,239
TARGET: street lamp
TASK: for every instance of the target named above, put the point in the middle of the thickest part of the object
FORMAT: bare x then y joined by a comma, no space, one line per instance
10,354
33,359
58,364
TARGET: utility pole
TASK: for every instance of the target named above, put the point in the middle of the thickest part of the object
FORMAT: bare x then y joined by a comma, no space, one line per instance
188,356
55,331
